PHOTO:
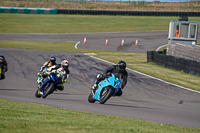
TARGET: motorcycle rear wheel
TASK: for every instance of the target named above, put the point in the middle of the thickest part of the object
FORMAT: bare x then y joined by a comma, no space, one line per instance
105,94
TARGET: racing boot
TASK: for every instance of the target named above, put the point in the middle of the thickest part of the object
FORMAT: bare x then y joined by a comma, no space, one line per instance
60,87
119,93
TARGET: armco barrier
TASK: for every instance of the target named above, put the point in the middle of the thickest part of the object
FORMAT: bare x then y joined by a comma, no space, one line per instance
28,10
160,58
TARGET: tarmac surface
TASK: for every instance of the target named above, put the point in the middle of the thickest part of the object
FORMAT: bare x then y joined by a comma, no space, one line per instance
143,97
147,41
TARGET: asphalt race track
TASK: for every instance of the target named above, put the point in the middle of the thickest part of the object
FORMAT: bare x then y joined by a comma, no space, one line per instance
143,97
146,40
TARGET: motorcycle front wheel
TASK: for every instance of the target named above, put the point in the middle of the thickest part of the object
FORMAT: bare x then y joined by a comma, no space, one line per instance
105,94
48,90
37,94
90,98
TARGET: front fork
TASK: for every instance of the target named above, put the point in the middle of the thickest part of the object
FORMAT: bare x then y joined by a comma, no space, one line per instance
93,91
41,88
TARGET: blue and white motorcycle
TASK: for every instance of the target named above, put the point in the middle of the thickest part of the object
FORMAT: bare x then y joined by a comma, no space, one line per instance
49,84
106,89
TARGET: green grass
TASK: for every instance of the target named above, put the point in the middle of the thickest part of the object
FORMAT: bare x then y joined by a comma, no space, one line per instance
198,42
26,117
103,5
17,117
32,23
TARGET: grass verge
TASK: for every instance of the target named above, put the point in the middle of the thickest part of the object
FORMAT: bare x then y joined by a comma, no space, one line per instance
32,23
105,5
26,117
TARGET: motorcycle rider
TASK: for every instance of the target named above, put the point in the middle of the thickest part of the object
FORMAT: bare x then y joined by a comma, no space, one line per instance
61,69
3,65
119,68
46,65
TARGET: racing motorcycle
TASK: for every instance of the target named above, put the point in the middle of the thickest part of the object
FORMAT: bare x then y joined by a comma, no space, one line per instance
49,85
106,89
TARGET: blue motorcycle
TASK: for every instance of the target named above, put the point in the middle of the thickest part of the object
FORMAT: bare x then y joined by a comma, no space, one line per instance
49,84
106,89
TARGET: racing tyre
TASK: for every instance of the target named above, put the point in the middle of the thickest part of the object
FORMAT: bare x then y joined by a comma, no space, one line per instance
37,94
105,94
48,90
90,98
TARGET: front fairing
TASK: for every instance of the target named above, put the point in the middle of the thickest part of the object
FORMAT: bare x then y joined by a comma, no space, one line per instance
114,81
56,78
117,80
53,77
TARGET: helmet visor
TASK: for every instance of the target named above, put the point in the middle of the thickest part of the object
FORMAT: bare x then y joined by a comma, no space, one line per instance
53,62
65,67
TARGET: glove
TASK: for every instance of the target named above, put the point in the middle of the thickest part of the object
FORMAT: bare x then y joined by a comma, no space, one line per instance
108,74
99,77
44,75
104,75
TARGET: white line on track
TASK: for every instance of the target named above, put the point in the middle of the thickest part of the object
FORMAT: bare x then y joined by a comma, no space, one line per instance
77,44
161,47
147,75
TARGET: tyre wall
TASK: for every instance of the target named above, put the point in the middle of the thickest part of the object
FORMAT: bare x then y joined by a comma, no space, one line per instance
93,12
181,64
28,10
133,13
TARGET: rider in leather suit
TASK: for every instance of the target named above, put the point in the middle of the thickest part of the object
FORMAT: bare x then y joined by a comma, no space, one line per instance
119,68
61,69
3,65
46,65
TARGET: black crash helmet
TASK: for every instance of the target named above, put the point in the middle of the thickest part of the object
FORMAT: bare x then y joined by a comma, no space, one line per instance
53,60
2,58
122,65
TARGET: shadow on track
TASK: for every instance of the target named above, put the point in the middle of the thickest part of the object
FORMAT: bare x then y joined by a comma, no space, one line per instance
129,106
